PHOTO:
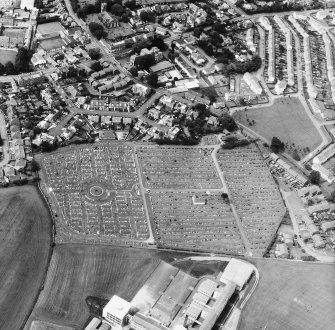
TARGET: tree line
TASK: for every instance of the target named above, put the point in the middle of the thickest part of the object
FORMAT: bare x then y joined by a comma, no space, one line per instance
20,65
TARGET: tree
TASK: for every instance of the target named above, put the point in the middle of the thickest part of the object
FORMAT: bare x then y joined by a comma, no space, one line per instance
147,16
97,30
47,146
28,124
97,6
125,18
96,66
2,69
35,166
94,54
314,177
197,31
152,79
277,145
117,10
130,4
89,9
144,62
81,13
133,70
1,141
140,45
228,122
159,43
22,60
9,68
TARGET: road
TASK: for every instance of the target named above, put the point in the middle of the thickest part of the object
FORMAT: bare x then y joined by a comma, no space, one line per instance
139,114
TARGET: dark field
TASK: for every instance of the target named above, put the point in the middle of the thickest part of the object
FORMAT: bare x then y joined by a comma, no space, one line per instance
200,268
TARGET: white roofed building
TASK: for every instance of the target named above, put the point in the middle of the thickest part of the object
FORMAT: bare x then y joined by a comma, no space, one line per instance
280,87
325,155
324,172
253,83
237,271
116,310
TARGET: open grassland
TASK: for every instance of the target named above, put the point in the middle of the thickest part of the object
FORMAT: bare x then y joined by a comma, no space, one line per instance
291,296
24,248
77,271
285,119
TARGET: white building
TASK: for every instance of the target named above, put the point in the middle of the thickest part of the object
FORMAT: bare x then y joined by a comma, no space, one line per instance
324,172
116,310
237,271
271,51
253,83
28,4
280,87
325,155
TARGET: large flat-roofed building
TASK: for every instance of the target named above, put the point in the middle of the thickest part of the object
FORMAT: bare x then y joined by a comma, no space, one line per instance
116,311
207,303
142,322
238,272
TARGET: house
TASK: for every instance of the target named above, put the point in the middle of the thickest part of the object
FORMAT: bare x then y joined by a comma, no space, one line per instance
282,251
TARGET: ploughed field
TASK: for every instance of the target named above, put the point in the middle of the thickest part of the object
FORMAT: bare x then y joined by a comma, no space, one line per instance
24,249
78,270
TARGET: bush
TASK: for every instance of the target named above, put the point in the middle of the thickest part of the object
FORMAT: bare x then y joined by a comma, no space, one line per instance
235,144
97,30
94,54
96,66
147,16
314,177
277,145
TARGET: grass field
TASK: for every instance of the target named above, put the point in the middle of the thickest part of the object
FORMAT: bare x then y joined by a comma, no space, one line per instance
7,55
287,120
24,249
77,271
291,296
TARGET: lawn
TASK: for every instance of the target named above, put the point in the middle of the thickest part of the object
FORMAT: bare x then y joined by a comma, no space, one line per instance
52,43
293,296
77,271
7,55
287,120
24,249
